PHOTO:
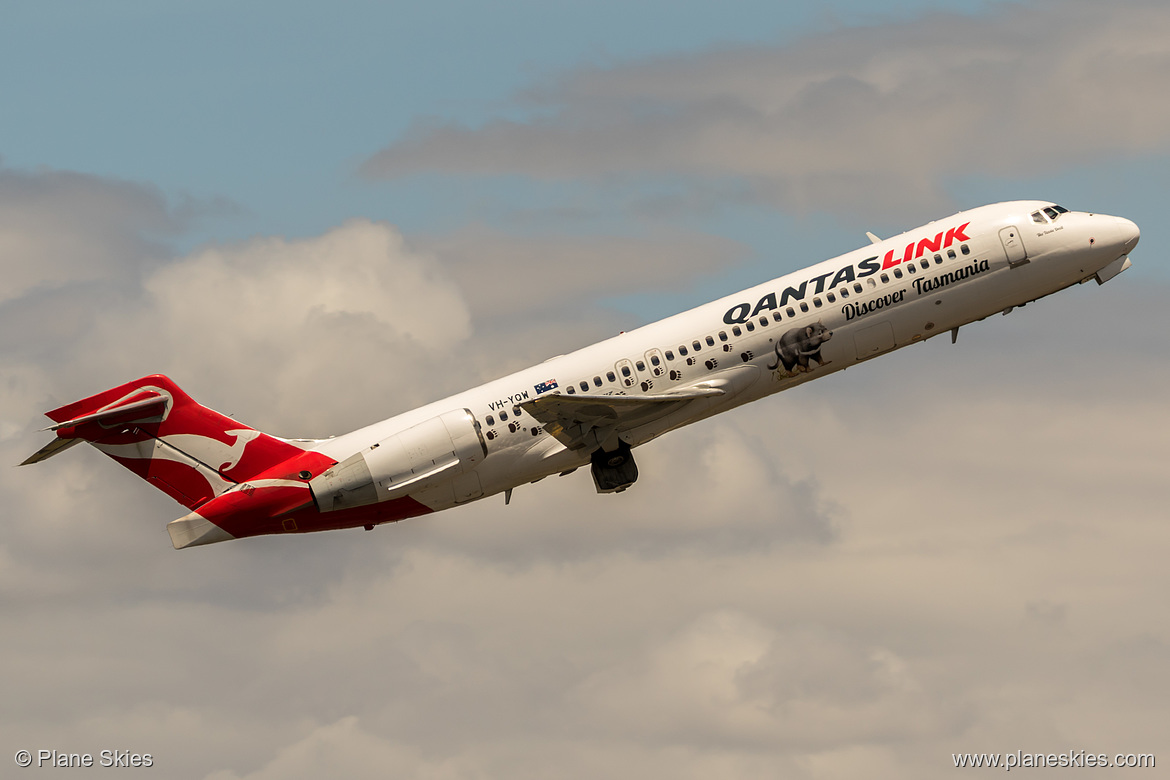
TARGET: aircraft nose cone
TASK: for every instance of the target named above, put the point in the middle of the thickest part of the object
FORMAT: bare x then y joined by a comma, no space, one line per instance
1130,233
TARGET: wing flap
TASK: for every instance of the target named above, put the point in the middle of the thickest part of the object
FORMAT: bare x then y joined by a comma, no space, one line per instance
580,420
583,420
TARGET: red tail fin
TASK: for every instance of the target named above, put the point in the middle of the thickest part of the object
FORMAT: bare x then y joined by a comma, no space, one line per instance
153,428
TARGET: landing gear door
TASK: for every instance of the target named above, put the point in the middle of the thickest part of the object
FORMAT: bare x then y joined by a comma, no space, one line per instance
1013,246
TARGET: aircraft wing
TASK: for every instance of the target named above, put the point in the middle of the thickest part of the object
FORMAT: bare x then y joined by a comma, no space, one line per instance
584,420
581,420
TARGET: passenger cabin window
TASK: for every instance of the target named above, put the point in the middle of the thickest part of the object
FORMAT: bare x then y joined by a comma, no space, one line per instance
910,269
503,416
830,297
641,365
776,316
924,263
625,370
965,249
610,376
938,259
723,335
597,381
696,345
736,331
750,326
764,321
844,292
490,420
571,390
682,351
669,355
803,306
951,254
791,312
885,278
516,411
710,341
856,288
817,303
870,281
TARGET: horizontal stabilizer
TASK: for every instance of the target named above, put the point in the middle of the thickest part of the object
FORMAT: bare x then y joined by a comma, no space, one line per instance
147,405
49,450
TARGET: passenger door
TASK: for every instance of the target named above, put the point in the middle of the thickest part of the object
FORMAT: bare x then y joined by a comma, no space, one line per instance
1013,246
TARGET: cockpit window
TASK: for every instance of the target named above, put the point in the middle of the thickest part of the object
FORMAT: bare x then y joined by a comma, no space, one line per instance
1060,209
1053,214
1038,218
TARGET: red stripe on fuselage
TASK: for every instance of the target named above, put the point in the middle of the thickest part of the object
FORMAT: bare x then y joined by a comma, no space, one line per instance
256,510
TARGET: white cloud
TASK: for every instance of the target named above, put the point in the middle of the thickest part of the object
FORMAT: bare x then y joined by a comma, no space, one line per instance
506,275
850,118
344,749
62,228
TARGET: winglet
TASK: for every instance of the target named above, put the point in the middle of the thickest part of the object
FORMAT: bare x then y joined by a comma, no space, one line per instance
872,238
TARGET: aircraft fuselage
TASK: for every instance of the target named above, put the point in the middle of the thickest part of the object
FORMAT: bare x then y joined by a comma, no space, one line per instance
594,405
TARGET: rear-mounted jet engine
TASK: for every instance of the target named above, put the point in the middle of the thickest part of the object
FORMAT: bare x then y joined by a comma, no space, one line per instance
413,460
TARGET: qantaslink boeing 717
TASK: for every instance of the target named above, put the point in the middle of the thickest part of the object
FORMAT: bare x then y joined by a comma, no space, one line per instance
594,406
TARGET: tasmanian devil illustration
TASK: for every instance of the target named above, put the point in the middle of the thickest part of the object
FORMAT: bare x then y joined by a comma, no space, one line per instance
800,345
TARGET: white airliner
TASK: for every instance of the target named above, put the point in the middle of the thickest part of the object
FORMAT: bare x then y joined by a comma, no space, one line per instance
594,405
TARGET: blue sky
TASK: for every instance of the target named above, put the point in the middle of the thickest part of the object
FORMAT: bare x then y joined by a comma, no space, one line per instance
313,216
263,113
273,106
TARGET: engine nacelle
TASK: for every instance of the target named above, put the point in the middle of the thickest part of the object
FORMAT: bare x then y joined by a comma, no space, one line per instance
418,458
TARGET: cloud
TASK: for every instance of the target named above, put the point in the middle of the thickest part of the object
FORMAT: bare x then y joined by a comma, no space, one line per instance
727,678
61,228
842,119
264,313
949,548
345,749
502,274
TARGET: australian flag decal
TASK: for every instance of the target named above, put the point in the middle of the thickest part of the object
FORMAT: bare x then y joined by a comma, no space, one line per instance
544,387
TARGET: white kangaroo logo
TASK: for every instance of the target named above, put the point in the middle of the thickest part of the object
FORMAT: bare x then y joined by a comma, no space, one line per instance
185,446
221,457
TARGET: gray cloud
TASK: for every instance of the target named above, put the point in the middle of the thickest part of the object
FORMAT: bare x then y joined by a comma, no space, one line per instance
952,548
976,565
840,119
61,228
502,274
